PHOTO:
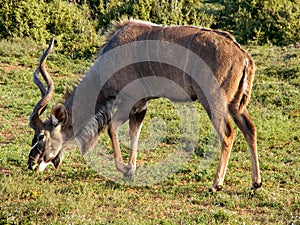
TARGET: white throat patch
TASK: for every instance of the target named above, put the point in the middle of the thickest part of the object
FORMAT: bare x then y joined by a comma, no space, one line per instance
43,166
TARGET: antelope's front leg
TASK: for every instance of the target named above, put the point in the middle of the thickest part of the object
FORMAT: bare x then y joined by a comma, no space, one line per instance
135,125
113,134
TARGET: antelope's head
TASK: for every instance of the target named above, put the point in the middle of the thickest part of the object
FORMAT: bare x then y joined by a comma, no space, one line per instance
48,139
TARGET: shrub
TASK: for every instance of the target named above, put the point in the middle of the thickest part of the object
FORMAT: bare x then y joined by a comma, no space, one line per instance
23,19
261,21
75,26
162,12
74,32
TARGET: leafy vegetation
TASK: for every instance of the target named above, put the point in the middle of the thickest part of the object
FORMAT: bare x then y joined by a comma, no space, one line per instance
77,27
261,22
76,194
72,26
180,12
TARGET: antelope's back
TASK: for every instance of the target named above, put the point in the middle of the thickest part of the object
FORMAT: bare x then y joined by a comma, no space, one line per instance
219,50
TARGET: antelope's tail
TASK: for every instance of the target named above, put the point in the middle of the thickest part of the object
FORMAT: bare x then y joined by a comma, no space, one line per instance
246,83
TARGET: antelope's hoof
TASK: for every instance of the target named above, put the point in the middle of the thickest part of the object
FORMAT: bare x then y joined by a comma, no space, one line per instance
122,167
129,173
216,188
256,185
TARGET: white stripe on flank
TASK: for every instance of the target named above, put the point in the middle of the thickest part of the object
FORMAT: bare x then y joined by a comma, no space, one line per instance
245,83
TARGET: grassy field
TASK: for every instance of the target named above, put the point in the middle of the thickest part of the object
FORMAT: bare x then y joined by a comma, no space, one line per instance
76,194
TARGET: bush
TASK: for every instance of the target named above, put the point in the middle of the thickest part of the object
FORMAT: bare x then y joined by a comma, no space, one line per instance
181,12
75,26
23,19
261,21
75,34
162,12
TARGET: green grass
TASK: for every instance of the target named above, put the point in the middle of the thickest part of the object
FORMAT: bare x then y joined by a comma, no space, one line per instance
76,194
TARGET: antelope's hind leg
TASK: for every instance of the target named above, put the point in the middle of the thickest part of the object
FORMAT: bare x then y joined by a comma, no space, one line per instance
226,133
246,125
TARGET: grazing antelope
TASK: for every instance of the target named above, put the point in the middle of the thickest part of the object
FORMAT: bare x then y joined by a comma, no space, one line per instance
221,60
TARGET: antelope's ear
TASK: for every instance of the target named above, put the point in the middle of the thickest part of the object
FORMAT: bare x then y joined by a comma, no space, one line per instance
59,115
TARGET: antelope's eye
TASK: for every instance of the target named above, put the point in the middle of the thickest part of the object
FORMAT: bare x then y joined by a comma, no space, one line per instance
41,137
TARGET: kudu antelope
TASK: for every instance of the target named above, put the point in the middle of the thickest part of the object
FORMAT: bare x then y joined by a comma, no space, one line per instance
230,66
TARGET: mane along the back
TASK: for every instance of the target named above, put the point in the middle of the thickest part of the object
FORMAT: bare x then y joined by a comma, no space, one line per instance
116,26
